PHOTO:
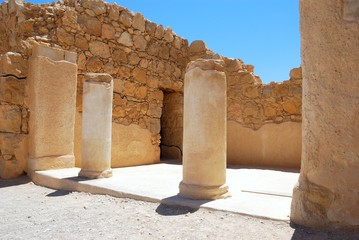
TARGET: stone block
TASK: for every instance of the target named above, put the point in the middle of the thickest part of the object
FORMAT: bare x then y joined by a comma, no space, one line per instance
197,46
12,90
96,6
125,39
52,103
13,148
10,119
90,24
99,49
139,22
126,18
296,73
55,54
289,107
140,75
13,63
64,37
108,31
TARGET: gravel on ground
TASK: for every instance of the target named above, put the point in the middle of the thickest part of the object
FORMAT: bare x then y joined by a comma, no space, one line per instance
28,211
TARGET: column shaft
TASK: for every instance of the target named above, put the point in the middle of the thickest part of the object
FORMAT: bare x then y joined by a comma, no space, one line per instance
97,126
204,133
328,190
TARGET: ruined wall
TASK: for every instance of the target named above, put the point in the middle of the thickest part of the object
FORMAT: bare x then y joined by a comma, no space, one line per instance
264,120
14,115
142,57
148,64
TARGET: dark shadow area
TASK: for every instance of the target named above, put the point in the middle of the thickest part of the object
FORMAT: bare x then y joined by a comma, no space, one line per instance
58,193
78,179
292,170
171,161
177,205
231,166
302,233
14,182
172,210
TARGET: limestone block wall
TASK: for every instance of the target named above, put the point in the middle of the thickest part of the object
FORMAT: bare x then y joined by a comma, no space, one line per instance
147,63
14,115
143,58
264,120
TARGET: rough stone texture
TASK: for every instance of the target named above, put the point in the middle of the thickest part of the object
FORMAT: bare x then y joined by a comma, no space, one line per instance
327,193
52,95
144,59
14,64
13,115
97,126
204,132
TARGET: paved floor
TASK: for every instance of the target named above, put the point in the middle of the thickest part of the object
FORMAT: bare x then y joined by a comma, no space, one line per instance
255,192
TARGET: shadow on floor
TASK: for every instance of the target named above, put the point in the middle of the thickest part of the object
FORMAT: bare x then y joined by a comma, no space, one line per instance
173,206
291,170
231,166
23,179
172,210
58,193
301,233
78,179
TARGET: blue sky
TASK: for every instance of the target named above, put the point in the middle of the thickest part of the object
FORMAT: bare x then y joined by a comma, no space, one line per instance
260,32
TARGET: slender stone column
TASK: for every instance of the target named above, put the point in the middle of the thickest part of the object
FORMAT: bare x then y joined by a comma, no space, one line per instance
328,190
96,126
204,133
52,103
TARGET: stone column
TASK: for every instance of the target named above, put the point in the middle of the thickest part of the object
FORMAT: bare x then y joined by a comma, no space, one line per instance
204,132
328,190
52,101
96,126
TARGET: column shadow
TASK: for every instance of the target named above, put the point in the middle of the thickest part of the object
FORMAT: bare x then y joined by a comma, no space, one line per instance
58,193
14,182
301,233
177,205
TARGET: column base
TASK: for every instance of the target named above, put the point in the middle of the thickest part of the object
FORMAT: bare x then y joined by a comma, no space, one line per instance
198,192
310,205
95,174
53,162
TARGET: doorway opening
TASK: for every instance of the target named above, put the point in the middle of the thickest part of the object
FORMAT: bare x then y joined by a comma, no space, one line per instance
172,126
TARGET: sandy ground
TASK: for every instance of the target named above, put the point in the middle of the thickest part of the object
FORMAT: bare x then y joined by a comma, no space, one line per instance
28,211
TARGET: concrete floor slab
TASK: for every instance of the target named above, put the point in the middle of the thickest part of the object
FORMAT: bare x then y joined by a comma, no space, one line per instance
255,192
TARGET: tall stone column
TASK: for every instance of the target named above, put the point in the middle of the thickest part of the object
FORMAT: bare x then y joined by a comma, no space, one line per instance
52,102
328,190
96,126
204,132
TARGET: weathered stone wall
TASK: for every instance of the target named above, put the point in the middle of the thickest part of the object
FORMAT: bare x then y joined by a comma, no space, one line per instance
147,63
14,115
255,111
264,126
142,57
